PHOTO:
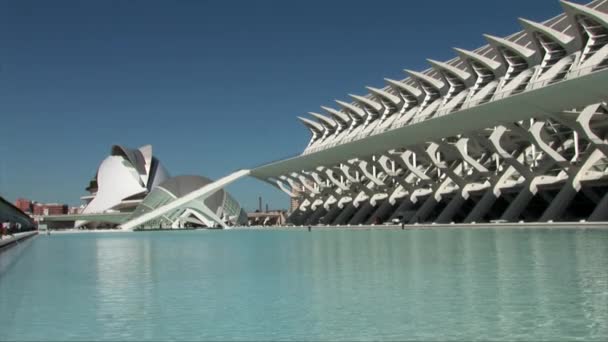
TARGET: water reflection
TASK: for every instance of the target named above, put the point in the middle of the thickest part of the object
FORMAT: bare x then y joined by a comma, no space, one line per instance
324,285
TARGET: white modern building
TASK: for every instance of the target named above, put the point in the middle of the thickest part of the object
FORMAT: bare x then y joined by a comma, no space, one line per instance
213,211
514,130
130,182
122,180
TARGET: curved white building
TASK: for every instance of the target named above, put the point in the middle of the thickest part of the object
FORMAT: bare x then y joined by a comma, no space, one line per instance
514,130
132,182
122,180
215,210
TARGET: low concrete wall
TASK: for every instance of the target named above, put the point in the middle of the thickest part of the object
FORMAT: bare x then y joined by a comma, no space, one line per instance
8,241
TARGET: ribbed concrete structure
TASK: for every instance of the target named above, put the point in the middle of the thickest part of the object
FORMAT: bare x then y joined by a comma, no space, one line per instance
514,130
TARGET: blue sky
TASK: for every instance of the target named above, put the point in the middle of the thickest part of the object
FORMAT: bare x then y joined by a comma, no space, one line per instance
213,86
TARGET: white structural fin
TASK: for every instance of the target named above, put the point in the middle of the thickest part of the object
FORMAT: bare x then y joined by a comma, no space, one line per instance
367,102
531,56
496,67
146,152
358,112
462,75
567,42
315,128
329,125
396,100
404,87
341,119
439,85
324,120
573,9
311,124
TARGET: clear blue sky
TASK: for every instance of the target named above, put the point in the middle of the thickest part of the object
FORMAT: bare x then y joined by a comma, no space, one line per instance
213,86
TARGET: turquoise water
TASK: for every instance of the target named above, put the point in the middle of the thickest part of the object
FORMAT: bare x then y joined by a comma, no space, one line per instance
469,284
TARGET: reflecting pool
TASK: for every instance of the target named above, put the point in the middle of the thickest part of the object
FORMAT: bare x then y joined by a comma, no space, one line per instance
328,284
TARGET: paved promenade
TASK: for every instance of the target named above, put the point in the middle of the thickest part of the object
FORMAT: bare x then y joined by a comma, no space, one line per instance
6,241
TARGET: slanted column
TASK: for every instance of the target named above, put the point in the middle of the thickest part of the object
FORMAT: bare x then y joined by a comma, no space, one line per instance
528,190
431,202
425,210
600,213
451,209
331,215
520,202
362,213
460,196
482,207
559,204
402,208
490,196
572,186
381,213
316,215
345,215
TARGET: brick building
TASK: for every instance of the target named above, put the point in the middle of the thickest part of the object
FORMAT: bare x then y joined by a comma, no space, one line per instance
24,205
50,209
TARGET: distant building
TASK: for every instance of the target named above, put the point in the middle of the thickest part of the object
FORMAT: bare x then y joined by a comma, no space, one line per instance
268,218
74,210
45,209
24,204
132,182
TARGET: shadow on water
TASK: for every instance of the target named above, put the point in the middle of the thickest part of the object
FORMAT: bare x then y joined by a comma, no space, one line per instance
10,254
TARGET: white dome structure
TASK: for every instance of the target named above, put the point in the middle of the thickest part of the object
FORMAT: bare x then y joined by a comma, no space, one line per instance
218,209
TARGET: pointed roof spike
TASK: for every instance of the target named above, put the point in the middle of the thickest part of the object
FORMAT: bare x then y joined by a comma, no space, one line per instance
428,79
491,64
414,91
339,116
323,119
463,75
573,8
352,108
396,100
531,56
566,41
370,103
315,126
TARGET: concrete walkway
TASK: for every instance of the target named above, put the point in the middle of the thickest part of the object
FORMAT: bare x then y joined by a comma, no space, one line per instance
6,241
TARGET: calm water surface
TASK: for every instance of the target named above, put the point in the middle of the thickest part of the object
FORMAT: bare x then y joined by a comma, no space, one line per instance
469,284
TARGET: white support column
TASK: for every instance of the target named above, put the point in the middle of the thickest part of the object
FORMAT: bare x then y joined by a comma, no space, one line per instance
569,190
